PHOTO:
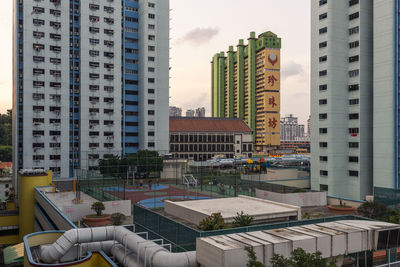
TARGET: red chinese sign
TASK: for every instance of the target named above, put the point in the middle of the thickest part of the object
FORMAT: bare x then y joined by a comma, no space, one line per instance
271,80
272,123
271,101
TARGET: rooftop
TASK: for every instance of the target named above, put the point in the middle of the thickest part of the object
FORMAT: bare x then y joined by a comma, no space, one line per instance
196,124
5,165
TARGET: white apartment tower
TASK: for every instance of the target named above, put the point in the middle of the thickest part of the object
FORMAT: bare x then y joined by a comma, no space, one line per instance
91,79
342,97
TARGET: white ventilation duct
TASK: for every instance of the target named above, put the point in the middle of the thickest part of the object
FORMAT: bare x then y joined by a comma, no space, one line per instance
129,246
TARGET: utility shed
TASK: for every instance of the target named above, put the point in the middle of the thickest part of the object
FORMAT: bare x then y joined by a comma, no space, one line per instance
332,239
263,211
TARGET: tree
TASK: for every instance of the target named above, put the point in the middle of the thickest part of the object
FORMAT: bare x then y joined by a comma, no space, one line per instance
213,222
98,207
242,219
373,209
6,129
300,258
5,153
113,166
253,262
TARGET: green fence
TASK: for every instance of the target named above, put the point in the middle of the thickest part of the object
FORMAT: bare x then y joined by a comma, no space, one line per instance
388,196
183,237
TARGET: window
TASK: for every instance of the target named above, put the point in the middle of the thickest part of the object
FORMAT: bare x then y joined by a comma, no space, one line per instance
323,87
56,25
109,9
322,2
38,71
55,37
323,73
94,75
354,16
94,29
353,173
38,157
150,112
353,116
94,41
323,30
323,158
94,64
151,144
132,9
151,101
94,7
323,101
354,44
353,2
37,10
353,59
150,133
55,60
109,54
56,49
151,59
354,101
94,19
353,87
152,37
38,59
151,26
354,30
150,80
323,44
38,34
109,43
323,130
323,59
353,159
323,116
323,16
38,22
151,48
129,19
323,173
354,130
152,16
353,144
109,32
55,12
150,91
150,123
152,5
109,21
354,73
323,144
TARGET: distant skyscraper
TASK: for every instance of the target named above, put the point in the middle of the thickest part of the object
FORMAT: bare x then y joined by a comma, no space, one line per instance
290,128
200,112
342,95
175,111
246,84
190,113
70,107
309,126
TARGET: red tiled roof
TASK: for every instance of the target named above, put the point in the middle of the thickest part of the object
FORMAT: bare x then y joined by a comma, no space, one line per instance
5,165
193,124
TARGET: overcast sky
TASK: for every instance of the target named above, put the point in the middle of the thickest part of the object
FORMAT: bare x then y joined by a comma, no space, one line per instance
199,29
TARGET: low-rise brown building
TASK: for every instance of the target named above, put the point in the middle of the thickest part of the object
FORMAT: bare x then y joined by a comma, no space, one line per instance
201,139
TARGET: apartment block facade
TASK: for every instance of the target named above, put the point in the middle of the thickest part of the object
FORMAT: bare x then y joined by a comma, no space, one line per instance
342,97
290,128
246,84
91,79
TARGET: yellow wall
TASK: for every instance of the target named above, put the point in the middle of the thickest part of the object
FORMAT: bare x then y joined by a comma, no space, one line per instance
9,239
10,205
26,200
9,220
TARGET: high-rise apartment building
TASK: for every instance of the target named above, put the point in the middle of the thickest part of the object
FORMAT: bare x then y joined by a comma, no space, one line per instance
246,84
70,107
342,97
200,112
175,111
290,128
190,113
386,77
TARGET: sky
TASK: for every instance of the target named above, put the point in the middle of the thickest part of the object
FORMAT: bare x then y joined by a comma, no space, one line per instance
199,29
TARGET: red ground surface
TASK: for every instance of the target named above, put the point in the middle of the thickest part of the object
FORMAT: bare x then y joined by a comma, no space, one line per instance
141,195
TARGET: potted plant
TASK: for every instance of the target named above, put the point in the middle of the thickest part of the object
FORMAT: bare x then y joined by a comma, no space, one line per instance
342,208
117,218
97,219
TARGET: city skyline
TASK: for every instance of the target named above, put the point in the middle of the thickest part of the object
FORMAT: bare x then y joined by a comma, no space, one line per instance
190,85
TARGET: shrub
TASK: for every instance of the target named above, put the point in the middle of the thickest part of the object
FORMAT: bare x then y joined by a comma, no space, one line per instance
242,219
212,222
98,207
300,258
373,209
253,262
117,218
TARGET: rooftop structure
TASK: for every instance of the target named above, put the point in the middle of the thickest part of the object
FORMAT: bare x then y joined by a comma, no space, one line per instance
203,138
263,211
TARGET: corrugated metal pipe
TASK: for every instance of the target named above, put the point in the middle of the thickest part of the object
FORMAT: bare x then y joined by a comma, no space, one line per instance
129,245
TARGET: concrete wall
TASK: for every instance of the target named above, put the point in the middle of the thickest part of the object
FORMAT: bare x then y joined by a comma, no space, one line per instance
76,212
306,199
349,202
299,183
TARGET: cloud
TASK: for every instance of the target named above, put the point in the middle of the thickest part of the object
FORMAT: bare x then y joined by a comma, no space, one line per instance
291,69
198,36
